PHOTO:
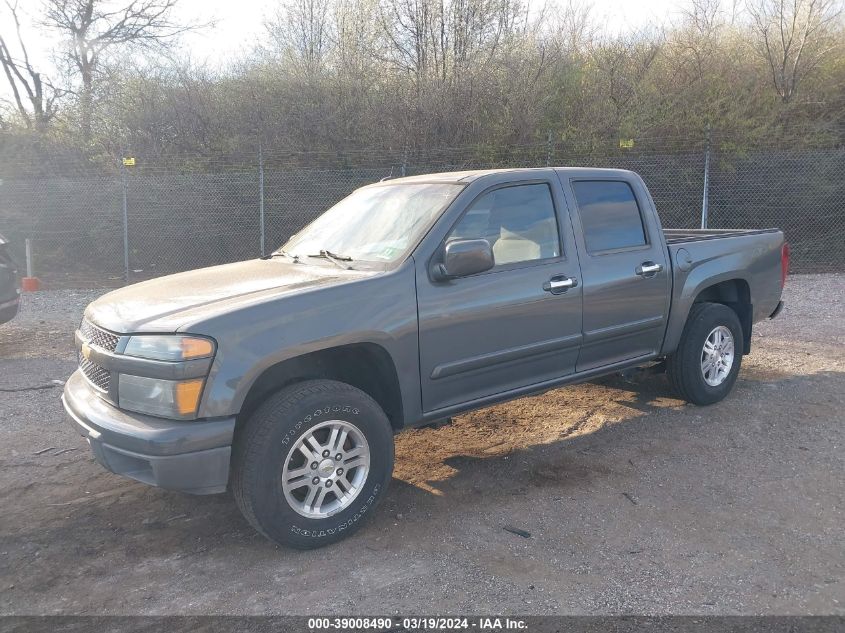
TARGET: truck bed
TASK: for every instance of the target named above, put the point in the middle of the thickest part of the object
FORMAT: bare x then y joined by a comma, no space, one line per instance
750,255
680,236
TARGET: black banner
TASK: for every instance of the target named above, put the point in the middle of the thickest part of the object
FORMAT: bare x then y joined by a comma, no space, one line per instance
410,624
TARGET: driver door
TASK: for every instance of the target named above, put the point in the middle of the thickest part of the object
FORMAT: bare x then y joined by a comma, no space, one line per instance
509,327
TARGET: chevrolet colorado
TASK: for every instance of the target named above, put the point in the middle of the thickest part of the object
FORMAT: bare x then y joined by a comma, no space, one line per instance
412,300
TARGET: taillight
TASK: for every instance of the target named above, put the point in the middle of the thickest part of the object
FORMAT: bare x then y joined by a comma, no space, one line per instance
784,264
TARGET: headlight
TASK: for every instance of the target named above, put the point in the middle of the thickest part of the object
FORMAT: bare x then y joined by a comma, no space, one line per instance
163,398
169,347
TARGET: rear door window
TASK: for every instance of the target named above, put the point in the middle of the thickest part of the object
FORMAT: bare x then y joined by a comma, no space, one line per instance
610,215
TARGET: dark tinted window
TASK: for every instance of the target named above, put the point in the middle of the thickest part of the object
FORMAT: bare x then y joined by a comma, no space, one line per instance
519,222
609,214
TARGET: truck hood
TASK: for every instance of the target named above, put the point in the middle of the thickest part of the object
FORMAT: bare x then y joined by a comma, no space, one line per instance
169,303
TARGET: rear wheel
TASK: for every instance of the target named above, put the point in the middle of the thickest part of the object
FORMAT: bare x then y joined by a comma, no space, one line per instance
312,463
704,368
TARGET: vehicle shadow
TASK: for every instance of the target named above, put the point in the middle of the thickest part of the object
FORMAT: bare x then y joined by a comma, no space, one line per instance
571,436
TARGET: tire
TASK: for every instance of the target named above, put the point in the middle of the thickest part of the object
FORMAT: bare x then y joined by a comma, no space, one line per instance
685,366
266,451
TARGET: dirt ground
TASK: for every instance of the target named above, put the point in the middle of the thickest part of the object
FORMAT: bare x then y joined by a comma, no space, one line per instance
631,501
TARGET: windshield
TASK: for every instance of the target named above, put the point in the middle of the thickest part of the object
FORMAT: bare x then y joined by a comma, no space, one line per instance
374,224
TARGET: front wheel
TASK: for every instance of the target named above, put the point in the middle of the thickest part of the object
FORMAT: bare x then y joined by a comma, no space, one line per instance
312,463
704,368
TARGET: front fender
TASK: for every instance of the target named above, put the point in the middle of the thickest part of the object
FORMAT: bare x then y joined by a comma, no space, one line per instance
380,310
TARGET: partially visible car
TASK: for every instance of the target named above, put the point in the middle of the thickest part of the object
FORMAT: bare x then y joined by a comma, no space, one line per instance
10,292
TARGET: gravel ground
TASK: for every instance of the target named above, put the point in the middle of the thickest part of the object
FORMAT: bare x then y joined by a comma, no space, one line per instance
634,501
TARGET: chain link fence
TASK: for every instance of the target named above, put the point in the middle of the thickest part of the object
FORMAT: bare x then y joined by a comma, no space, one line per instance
103,226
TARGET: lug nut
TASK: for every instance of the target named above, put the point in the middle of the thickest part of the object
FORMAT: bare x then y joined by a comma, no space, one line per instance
325,453
314,465
339,472
315,481
329,483
338,457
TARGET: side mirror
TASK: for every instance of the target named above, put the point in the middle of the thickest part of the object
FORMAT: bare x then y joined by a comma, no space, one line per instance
463,258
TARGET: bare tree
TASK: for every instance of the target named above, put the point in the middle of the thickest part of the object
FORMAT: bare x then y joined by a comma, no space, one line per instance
574,25
622,64
433,38
697,37
302,27
795,36
97,28
357,37
27,84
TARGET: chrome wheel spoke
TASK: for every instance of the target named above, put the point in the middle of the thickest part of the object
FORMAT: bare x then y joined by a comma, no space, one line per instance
315,445
318,502
293,476
309,455
333,438
341,440
355,452
354,462
343,485
311,496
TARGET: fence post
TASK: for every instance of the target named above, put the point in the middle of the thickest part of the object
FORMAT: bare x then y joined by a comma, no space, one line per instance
28,243
125,223
705,198
549,150
261,192
404,160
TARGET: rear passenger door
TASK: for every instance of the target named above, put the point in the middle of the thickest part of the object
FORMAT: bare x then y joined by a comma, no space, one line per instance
624,270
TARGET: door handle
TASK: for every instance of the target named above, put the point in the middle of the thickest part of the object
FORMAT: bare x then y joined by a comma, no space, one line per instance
560,283
648,269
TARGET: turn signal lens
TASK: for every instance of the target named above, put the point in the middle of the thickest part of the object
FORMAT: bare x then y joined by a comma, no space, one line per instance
188,396
196,348
784,264
176,400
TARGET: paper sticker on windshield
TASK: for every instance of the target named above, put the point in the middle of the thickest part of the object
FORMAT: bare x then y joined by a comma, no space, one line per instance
389,253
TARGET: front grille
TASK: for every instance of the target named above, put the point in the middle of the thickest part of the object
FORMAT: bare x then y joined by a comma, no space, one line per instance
95,374
98,337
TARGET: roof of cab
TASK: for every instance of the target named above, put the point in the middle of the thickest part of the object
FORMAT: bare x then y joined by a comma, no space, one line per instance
465,177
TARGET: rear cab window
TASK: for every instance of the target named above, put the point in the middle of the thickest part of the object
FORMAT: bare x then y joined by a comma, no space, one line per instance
611,219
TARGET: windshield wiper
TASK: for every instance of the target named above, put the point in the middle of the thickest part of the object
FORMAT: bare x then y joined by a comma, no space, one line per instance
334,258
283,253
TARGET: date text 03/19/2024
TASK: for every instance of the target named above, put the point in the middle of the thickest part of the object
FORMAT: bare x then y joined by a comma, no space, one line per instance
419,623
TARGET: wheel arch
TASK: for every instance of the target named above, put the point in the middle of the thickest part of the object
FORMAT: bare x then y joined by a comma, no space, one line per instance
366,366
729,288
736,294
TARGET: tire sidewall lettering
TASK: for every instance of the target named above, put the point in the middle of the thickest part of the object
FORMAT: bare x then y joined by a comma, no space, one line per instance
318,533
297,428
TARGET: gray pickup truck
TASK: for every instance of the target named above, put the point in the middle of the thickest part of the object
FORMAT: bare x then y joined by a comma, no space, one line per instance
411,300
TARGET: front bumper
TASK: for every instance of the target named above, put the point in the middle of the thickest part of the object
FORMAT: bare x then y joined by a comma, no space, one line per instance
186,456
